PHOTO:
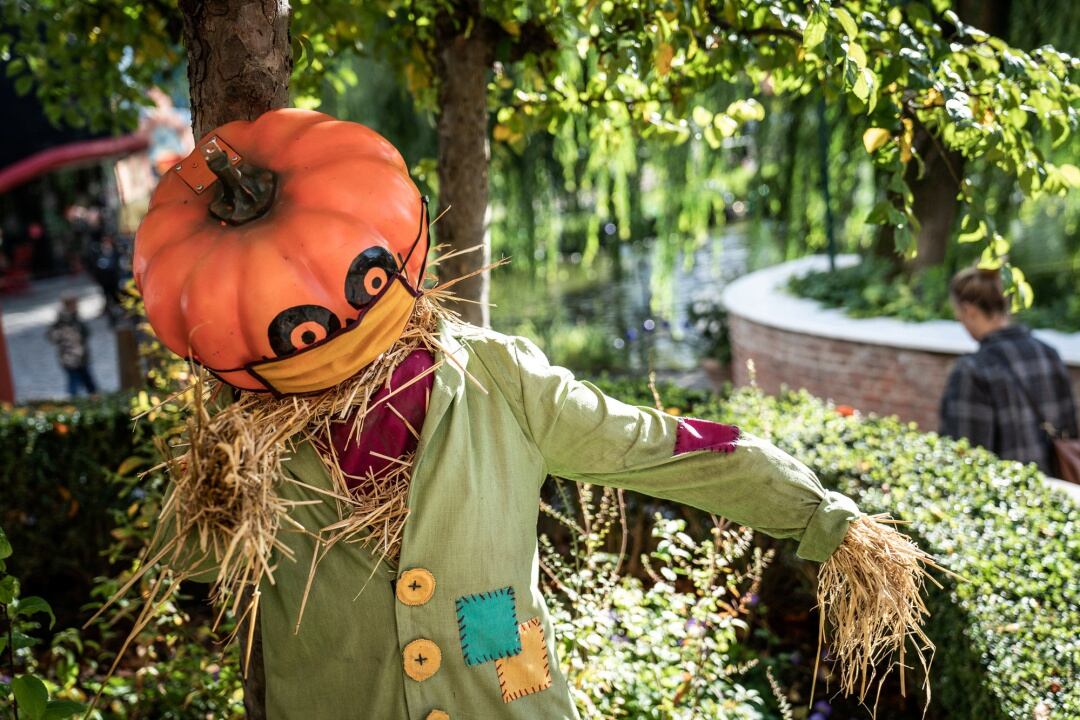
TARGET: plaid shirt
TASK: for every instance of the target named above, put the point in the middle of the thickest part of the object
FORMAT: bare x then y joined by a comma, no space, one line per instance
983,403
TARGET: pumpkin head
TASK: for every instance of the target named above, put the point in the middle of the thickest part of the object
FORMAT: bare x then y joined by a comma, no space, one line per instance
285,253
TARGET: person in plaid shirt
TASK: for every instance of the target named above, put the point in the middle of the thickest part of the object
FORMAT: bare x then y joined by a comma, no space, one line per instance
1014,394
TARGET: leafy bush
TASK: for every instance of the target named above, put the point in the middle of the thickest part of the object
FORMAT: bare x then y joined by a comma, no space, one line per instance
873,289
23,694
1007,644
668,648
1007,640
57,492
81,550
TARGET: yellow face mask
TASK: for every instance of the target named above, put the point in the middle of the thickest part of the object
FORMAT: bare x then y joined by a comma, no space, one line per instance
326,364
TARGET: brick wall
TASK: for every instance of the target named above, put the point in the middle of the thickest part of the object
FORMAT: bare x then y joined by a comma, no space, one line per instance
872,378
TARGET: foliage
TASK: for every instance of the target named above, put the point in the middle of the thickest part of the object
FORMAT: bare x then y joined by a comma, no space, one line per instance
23,694
56,491
177,668
645,106
873,289
668,648
1006,636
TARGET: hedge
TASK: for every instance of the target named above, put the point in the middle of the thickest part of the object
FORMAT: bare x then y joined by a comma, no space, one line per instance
57,492
1008,638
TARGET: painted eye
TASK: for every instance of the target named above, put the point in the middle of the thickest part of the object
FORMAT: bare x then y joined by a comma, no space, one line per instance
368,275
300,326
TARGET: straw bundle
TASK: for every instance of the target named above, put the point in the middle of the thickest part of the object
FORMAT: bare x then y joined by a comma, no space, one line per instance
870,598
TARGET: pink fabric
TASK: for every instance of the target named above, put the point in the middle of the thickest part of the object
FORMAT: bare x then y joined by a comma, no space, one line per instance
697,434
384,432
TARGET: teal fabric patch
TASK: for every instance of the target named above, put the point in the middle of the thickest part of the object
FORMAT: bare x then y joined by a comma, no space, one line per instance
488,626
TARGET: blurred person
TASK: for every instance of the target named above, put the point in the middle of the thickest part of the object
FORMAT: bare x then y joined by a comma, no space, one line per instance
107,270
1013,396
69,334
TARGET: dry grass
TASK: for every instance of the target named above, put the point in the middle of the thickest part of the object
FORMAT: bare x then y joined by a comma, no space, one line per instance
870,596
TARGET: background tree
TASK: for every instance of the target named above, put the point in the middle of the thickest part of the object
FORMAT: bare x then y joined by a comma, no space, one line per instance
926,92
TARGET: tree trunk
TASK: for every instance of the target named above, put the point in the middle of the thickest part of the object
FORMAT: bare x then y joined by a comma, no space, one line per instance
934,195
239,63
239,59
463,61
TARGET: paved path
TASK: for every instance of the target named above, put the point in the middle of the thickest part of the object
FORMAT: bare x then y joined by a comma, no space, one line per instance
34,365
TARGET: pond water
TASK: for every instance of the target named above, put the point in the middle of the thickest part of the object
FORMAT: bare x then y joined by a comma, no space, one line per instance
633,310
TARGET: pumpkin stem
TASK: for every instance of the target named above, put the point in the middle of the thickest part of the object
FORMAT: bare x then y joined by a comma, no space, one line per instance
246,191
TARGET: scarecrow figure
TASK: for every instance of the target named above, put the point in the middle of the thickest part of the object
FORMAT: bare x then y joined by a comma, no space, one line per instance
362,479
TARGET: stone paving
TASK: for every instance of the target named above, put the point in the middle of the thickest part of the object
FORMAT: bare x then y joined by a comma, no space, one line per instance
35,368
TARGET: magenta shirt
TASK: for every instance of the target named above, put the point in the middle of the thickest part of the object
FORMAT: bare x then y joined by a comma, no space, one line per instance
384,432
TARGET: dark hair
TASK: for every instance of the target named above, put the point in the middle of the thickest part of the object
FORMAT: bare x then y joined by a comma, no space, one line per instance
981,288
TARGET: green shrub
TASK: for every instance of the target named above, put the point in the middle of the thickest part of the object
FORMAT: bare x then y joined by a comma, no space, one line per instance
873,289
1007,638
22,693
667,648
57,492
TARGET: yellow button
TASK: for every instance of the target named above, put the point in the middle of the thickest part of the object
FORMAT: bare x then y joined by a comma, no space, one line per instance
415,587
437,715
422,659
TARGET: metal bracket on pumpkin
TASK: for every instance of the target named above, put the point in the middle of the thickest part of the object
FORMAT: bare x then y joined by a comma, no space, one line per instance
193,169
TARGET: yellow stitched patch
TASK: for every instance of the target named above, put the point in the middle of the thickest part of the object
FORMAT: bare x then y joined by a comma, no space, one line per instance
527,672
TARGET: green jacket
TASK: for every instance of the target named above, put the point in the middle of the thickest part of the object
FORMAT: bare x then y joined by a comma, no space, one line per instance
461,629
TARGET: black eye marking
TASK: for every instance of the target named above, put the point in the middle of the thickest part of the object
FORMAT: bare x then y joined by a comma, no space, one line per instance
367,275
300,326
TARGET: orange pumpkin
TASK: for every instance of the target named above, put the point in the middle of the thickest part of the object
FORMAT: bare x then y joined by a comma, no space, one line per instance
285,253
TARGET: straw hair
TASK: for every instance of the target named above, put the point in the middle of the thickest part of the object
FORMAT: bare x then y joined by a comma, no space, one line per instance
870,598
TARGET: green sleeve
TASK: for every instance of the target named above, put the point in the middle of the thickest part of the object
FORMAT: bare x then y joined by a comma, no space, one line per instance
587,436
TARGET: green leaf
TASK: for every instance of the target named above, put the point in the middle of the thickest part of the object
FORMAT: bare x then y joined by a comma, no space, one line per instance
856,54
9,589
726,125
23,84
712,138
61,709
21,640
701,116
130,465
32,605
31,695
975,233
1070,174
863,84
880,213
746,110
816,28
851,28
5,546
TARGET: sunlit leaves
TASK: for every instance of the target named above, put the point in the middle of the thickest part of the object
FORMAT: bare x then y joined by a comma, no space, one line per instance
874,138
622,71
815,29
90,63
847,22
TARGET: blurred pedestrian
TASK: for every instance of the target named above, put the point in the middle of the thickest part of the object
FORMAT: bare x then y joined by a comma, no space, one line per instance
107,270
1013,396
69,334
